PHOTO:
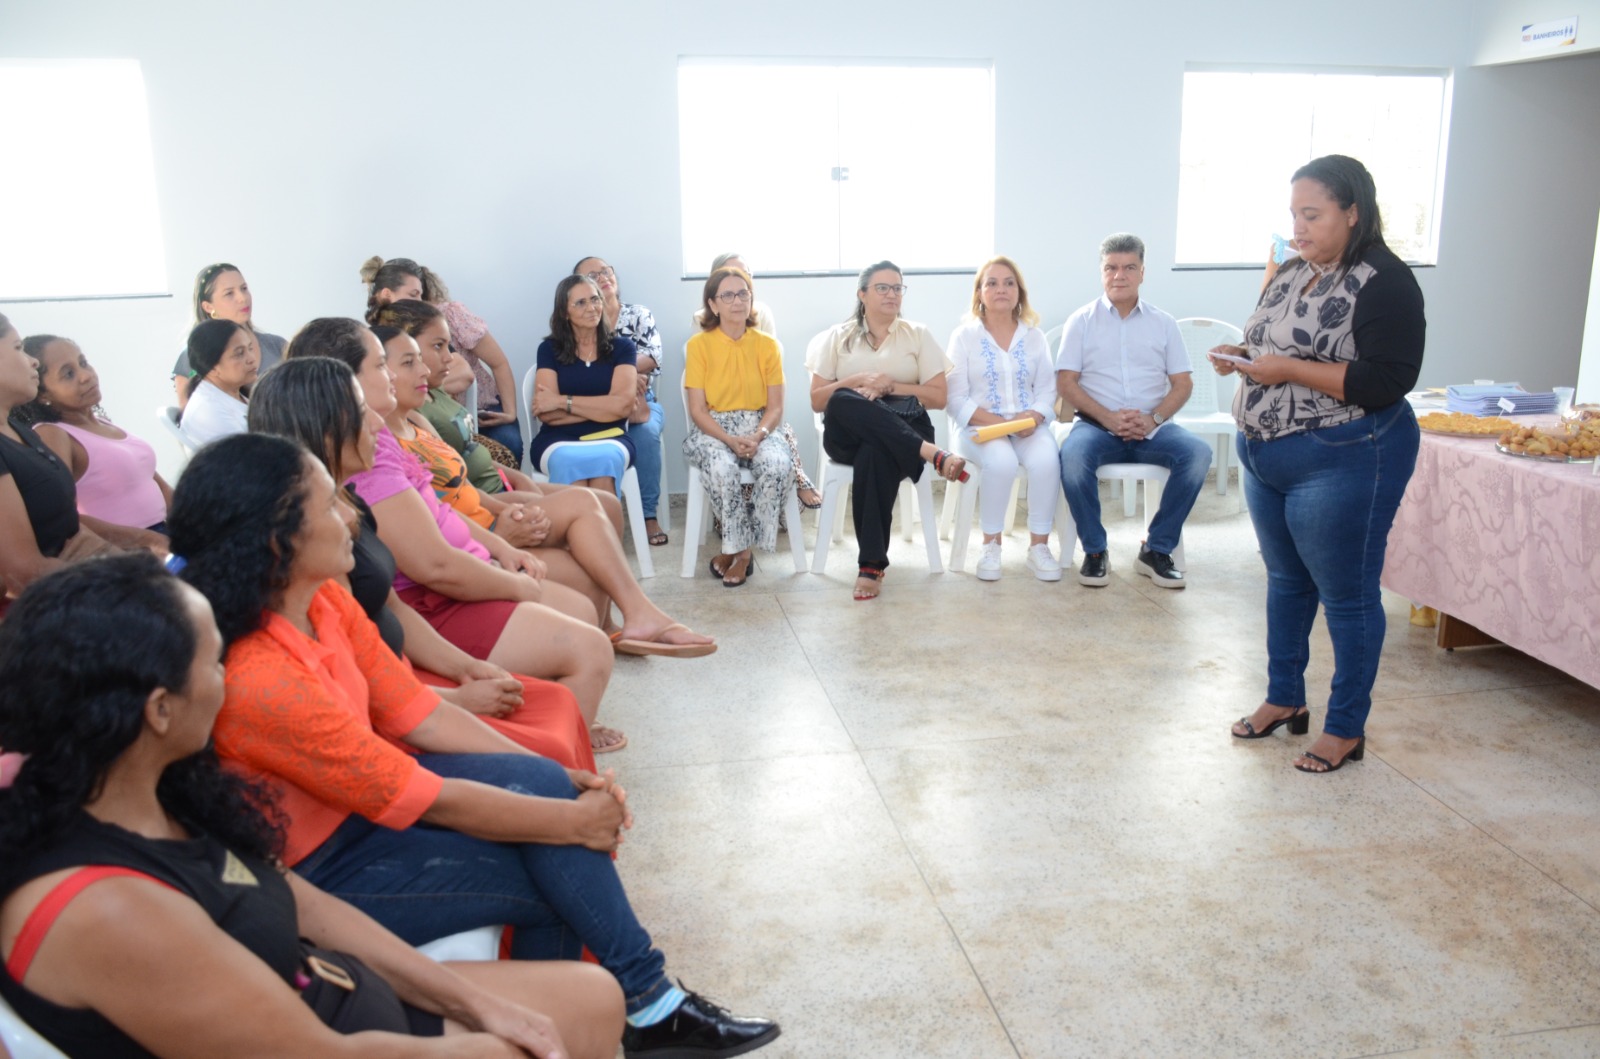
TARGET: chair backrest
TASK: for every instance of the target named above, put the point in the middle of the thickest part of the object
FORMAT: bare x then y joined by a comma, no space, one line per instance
1052,342
168,416
1212,392
528,422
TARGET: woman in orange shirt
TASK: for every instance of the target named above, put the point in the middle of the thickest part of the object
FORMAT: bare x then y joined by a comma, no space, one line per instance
357,752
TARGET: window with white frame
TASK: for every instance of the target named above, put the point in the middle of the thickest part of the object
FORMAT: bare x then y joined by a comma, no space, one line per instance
815,166
79,182
1245,132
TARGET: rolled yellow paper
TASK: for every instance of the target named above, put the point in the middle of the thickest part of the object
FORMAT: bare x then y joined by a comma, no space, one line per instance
1000,430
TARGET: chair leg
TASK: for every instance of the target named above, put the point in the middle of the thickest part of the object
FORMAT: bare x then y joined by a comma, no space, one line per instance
831,515
930,523
1069,531
797,532
1130,499
664,505
965,496
947,511
694,516
908,510
641,536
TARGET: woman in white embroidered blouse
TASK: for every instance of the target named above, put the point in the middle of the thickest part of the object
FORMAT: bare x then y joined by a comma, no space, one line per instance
1003,374
225,361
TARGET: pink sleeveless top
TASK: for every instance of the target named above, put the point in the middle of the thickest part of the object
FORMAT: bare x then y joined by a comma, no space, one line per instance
120,483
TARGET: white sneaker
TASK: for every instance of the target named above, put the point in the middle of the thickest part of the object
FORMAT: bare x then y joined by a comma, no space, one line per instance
1043,564
989,562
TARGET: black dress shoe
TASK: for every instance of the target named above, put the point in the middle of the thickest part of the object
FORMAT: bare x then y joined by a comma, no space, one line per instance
1158,567
1096,570
696,1030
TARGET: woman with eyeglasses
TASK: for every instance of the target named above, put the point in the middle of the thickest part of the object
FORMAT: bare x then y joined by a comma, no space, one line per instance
220,293
874,377
733,383
583,390
637,324
765,321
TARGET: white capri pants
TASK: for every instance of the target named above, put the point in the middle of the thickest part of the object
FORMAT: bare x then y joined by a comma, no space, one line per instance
999,460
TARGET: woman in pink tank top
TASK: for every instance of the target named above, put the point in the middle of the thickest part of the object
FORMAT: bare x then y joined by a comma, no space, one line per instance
115,471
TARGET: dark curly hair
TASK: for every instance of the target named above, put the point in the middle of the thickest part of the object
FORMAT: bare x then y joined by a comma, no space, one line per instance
37,410
235,515
409,315
338,337
312,401
561,332
80,654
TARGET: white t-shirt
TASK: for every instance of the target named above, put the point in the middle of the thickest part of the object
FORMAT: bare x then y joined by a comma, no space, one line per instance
212,414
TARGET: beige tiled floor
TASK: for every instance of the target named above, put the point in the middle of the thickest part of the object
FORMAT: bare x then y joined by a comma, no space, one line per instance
1007,820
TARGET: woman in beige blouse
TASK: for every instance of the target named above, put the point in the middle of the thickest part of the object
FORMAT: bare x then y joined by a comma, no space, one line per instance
874,377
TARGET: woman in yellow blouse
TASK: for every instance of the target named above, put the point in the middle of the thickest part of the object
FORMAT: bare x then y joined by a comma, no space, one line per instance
733,381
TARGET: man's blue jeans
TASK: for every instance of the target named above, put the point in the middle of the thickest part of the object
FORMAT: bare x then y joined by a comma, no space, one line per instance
1087,447
424,882
1322,502
647,458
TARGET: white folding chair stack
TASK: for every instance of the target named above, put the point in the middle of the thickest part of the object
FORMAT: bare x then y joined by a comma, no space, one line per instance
630,486
1210,407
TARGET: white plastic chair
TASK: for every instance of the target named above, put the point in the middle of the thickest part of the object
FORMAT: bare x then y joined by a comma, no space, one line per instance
20,1040
630,486
835,478
697,520
168,416
1129,475
1210,407
480,943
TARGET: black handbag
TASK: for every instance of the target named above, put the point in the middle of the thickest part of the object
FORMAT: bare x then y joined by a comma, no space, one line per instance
347,995
904,405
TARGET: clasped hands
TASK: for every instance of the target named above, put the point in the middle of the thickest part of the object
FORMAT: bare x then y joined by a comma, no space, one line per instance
870,384
523,523
744,446
602,809
1130,424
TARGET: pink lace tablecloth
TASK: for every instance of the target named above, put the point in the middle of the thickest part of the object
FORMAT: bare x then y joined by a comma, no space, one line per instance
1509,545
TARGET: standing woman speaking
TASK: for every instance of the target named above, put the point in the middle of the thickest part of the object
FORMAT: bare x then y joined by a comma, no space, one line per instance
1327,443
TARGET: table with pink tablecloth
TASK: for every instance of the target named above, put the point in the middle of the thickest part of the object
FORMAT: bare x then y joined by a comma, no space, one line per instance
1509,545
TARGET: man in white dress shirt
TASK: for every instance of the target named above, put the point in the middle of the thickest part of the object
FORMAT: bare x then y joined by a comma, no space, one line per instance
1122,365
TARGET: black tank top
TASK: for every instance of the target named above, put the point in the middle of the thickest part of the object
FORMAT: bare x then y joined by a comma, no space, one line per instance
248,899
48,492
373,576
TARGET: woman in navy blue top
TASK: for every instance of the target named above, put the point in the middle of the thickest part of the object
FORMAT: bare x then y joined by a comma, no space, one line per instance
583,391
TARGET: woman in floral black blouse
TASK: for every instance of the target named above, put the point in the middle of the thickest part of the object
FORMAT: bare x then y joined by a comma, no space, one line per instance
1327,443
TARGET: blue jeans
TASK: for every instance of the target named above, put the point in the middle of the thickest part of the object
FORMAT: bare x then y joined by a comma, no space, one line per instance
424,882
1087,447
647,458
507,434
1322,502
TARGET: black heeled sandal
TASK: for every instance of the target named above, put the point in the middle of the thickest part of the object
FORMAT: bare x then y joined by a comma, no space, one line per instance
941,457
1357,753
1299,723
870,573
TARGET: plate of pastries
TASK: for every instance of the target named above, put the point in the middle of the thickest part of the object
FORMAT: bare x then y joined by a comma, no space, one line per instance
1568,443
1462,425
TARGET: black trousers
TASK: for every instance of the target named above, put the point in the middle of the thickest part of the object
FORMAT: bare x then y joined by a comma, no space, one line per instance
883,449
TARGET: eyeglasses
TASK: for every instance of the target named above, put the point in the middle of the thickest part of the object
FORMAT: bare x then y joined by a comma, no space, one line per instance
896,289
594,300
728,297
606,273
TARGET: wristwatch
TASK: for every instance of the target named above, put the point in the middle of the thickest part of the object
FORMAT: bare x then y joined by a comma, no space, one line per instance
1158,417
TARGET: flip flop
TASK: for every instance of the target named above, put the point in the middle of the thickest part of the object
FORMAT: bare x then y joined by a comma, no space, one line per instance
600,731
661,650
658,539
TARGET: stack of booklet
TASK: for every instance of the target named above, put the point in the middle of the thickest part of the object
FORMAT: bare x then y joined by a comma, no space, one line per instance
1507,398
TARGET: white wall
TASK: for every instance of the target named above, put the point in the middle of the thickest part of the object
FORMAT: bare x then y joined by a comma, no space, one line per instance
1589,365
498,142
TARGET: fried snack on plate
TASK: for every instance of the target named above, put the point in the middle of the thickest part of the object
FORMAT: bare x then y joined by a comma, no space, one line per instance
1462,423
